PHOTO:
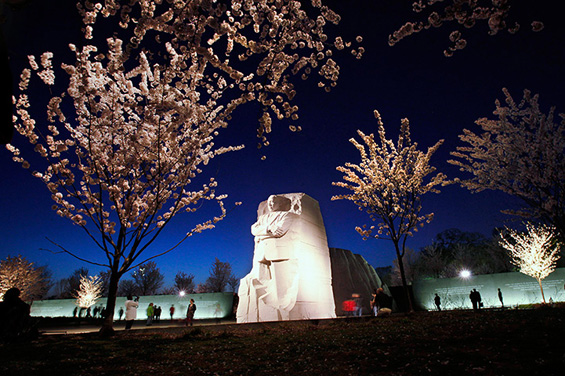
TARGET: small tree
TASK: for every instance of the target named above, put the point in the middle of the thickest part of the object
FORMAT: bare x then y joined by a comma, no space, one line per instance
233,282
535,252
89,292
220,274
20,273
388,184
148,278
71,284
184,282
127,287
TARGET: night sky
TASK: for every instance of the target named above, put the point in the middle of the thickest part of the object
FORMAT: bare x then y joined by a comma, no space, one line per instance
440,96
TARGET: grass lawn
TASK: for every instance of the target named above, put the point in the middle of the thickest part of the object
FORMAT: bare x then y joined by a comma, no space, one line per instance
509,342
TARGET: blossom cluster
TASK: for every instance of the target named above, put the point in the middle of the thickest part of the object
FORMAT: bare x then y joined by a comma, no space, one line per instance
277,39
466,13
521,152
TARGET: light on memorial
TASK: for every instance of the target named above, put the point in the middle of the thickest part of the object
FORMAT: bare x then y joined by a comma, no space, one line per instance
182,293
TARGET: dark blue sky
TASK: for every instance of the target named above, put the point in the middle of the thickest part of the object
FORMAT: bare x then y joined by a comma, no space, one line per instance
440,96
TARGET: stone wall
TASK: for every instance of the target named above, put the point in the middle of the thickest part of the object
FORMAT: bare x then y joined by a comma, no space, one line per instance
352,274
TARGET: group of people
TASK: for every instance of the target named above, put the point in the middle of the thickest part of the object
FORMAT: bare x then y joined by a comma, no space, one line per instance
97,312
475,297
381,304
154,312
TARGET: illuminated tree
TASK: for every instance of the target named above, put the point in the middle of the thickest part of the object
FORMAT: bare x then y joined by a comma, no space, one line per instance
20,273
388,184
89,292
535,251
461,13
521,153
126,141
71,284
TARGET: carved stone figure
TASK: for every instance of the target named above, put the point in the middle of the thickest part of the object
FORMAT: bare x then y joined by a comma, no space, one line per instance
291,274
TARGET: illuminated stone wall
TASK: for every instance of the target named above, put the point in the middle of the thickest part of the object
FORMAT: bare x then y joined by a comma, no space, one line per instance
516,288
209,306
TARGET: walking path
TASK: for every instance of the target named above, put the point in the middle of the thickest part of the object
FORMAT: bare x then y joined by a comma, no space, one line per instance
120,326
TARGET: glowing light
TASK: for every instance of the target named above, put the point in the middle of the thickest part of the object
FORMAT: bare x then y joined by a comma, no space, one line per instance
182,293
465,274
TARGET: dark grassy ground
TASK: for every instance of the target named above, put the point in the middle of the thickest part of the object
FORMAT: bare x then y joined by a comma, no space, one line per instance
510,342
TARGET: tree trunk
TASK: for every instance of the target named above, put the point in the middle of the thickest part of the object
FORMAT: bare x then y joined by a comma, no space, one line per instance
403,277
108,325
542,295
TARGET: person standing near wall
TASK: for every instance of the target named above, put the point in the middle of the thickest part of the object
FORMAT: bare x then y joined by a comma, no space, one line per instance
500,298
131,311
374,306
190,312
437,301
150,313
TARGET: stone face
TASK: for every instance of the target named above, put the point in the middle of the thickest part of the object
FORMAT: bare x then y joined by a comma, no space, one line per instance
352,274
291,276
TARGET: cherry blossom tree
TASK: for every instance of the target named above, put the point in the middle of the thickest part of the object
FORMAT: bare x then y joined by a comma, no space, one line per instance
463,14
534,251
521,153
126,140
388,184
89,292
18,272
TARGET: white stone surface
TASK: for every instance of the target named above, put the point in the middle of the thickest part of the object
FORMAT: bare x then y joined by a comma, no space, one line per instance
291,274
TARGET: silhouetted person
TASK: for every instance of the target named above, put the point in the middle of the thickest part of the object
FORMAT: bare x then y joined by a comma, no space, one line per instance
500,298
121,313
190,312
14,317
75,311
235,304
437,301
374,307
172,311
475,297
384,303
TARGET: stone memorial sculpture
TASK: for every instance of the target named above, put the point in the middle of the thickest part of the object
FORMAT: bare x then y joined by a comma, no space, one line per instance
291,274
